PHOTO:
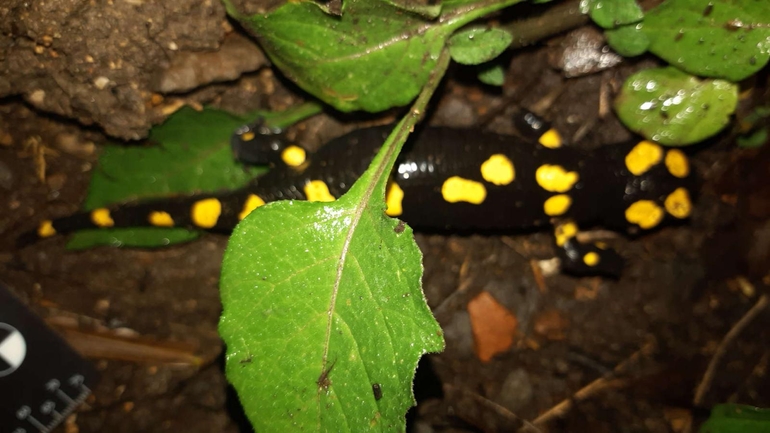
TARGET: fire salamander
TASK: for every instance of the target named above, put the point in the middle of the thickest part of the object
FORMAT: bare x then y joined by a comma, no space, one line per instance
448,179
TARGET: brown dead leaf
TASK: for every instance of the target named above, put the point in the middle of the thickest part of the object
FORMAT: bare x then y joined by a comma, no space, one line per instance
551,324
493,325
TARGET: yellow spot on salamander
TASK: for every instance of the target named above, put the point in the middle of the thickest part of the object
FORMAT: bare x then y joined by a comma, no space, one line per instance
557,205
643,157
551,139
677,164
101,218
251,203
247,136
565,232
555,178
591,259
498,169
205,213
160,219
45,229
393,198
645,213
316,190
457,189
678,203
294,156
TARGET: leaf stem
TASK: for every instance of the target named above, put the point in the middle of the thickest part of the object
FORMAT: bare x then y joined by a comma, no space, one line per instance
375,179
559,18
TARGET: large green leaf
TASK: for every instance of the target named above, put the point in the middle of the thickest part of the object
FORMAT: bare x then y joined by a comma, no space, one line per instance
671,107
718,38
373,57
322,303
190,152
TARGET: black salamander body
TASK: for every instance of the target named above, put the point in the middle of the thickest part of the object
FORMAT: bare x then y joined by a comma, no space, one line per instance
448,179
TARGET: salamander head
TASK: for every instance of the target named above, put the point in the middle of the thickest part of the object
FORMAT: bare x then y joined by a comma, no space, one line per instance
258,144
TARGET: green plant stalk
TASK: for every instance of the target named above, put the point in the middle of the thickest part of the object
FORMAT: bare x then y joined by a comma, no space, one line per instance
386,157
290,116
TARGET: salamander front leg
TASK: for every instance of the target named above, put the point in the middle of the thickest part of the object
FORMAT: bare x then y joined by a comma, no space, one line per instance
582,257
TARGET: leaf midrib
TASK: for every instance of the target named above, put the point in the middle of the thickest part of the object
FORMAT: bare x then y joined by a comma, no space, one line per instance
362,205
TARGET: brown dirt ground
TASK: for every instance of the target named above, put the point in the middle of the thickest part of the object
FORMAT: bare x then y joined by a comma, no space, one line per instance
683,289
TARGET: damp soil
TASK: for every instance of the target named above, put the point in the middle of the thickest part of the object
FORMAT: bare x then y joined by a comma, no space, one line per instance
649,334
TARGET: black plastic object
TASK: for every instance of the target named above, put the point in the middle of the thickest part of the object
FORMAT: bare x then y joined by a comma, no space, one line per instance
42,380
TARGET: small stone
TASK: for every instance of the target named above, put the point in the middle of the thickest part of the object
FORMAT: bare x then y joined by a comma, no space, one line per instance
101,82
6,139
516,391
37,96
56,181
102,306
551,324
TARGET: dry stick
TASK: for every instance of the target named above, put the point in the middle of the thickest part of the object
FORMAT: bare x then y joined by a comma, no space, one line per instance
708,376
473,416
592,388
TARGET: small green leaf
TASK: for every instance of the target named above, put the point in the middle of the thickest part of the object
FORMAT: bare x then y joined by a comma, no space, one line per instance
321,301
492,74
478,45
718,38
628,41
671,107
610,14
736,418
373,57
191,154
753,140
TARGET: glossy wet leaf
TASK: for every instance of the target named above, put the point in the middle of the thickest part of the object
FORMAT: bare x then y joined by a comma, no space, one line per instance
478,45
612,13
671,107
735,418
322,302
627,41
373,57
188,153
719,38
427,10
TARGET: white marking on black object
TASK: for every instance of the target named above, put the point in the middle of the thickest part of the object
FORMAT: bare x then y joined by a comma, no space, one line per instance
42,380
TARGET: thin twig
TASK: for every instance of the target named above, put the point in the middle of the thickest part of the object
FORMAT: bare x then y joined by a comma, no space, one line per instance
607,381
739,326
